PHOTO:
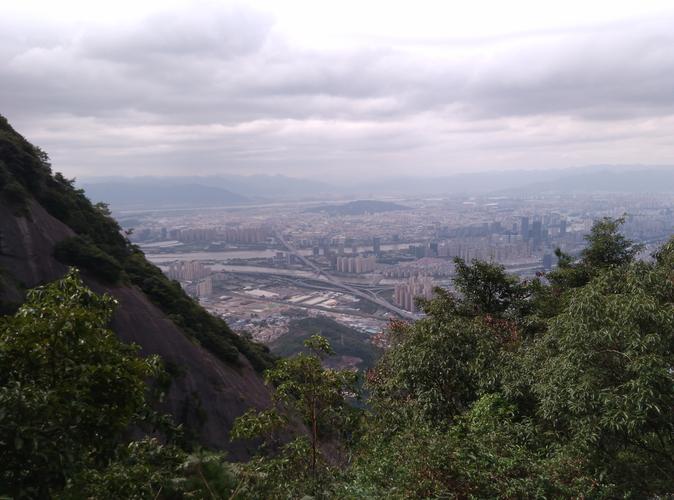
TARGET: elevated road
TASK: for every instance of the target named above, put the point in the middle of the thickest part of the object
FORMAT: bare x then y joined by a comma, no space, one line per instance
336,282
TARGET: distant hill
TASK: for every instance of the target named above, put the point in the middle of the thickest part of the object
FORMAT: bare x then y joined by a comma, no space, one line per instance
352,348
359,207
131,194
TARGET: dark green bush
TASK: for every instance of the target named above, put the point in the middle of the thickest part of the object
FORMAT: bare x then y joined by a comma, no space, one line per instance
80,252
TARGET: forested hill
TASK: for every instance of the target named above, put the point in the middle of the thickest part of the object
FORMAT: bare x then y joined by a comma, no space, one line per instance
46,225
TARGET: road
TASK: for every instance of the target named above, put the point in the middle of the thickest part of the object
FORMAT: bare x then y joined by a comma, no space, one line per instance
334,281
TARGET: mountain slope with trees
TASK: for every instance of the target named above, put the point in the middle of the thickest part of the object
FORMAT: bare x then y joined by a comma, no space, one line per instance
47,225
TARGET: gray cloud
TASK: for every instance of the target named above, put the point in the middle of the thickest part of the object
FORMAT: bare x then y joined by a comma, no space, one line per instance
219,89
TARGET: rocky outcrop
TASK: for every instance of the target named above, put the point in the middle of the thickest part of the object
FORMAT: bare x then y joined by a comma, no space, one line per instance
26,246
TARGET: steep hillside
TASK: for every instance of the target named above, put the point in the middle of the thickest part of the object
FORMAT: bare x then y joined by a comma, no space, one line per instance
47,225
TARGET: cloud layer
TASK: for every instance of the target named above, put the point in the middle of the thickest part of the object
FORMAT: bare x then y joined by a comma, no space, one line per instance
224,89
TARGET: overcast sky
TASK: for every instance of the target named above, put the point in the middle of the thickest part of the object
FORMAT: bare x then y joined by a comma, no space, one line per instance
340,88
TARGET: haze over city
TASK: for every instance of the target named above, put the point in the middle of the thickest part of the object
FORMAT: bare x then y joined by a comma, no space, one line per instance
334,90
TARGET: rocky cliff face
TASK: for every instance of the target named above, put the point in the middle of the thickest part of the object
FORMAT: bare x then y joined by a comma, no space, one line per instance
206,394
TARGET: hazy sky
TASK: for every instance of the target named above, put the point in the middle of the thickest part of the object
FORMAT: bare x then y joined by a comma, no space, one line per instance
358,88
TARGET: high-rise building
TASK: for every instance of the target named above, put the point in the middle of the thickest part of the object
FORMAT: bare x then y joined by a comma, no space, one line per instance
355,265
406,293
205,287
253,234
419,251
524,227
187,270
376,245
537,233
547,261
562,227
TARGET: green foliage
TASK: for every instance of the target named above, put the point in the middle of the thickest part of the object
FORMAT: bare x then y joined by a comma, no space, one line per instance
266,424
344,340
485,288
141,469
604,376
79,251
559,390
285,475
607,247
148,469
437,368
484,454
68,388
14,193
318,395
69,392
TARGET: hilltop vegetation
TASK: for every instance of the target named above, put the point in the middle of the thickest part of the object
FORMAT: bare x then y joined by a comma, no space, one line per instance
347,343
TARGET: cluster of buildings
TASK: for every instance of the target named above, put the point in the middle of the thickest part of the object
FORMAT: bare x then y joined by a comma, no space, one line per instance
204,288
485,249
187,270
253,234
438,268
250,234
355,265
406,293
193,235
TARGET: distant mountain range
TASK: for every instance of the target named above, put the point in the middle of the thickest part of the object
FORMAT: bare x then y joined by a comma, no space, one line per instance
660,180
194,191
601,178
131,194
359,207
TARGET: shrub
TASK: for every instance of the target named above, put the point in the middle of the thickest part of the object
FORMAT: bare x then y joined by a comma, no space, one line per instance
80,252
